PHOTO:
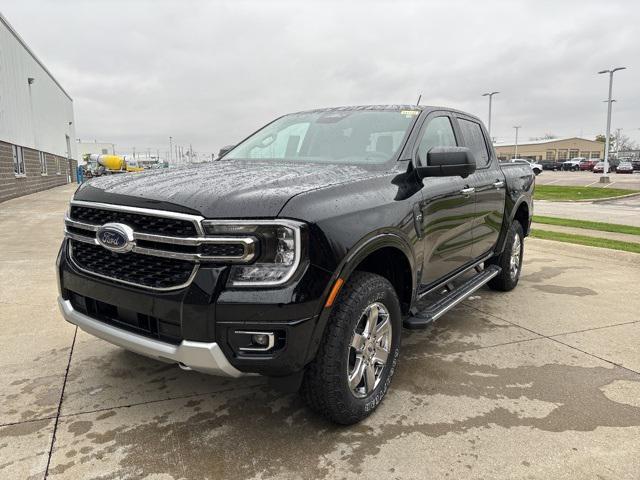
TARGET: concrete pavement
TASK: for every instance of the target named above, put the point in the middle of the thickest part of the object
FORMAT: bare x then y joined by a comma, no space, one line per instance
589,179
541,382
625,211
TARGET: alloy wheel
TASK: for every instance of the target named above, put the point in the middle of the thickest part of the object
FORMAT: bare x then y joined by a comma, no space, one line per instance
369,350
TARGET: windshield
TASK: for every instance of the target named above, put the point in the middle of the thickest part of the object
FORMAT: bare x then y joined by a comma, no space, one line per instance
334,136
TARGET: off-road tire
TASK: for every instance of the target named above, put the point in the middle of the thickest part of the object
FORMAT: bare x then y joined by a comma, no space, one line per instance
504,281
325,385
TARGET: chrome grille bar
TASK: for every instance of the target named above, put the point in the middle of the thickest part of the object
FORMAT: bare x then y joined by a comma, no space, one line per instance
248,243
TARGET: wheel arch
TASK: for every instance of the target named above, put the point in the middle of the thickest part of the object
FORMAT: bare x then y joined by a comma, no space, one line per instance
386,253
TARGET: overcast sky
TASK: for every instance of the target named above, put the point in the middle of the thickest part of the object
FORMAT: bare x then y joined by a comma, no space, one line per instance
208,73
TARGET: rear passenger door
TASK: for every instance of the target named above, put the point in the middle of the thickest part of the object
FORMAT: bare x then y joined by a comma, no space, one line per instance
489,184
447,209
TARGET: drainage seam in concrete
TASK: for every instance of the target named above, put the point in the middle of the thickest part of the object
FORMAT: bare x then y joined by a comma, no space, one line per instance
551,337
64,384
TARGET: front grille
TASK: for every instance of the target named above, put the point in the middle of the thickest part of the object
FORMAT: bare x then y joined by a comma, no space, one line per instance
222,249
142,324
142,223
145,270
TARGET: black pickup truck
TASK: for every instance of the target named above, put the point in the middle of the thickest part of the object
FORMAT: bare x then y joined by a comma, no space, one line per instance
302,252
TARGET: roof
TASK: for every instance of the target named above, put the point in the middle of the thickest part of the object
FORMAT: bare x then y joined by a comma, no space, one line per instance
539,142
33,55
398,107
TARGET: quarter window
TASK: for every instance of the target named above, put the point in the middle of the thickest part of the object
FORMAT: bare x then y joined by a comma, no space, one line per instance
437,133
475,141
18,161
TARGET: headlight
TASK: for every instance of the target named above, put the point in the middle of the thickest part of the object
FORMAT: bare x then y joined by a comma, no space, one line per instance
279,252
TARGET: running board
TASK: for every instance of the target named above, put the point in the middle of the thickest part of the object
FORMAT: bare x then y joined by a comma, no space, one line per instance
451,299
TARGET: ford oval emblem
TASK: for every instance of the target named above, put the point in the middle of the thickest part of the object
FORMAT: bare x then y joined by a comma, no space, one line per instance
116,237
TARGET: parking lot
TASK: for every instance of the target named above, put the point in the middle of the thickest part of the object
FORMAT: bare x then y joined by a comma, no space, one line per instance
542,382
589,179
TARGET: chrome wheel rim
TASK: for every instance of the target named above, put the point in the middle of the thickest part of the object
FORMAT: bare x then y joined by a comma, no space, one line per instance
514,262
369,350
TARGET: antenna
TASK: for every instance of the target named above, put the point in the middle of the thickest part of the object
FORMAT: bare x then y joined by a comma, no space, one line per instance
419,98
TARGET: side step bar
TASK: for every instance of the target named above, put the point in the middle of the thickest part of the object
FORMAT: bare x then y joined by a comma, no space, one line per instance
451,299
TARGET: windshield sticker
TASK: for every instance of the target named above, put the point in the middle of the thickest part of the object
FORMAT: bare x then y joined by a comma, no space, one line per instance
410,113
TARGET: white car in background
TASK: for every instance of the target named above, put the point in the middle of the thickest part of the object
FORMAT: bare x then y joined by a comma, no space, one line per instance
536,167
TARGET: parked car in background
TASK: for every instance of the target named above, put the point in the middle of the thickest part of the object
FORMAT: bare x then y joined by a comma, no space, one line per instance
587,165
573,164
536,167
636,164
599,168
551,165
624,167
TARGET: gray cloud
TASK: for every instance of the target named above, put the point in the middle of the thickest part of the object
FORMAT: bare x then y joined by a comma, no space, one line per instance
208,73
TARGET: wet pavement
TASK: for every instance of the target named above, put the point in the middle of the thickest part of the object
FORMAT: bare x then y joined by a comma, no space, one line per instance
542,382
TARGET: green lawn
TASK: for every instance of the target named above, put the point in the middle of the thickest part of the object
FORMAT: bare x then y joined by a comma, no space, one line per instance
558,192
585,240
601,226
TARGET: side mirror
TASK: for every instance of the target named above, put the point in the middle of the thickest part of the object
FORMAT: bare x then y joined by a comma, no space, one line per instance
448,162
224,150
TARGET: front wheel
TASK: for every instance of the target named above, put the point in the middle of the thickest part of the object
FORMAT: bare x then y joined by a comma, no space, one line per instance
510,260
358,355
537,171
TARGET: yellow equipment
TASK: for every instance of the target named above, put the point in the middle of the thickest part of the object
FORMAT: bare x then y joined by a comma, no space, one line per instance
112,163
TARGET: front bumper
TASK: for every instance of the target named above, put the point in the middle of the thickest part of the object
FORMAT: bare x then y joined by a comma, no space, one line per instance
197,325
200,356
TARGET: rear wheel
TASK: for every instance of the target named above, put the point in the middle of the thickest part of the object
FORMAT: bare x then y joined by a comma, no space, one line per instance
510,260
536,171
357,358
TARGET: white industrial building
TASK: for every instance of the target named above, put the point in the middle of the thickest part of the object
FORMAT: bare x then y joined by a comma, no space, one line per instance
37,131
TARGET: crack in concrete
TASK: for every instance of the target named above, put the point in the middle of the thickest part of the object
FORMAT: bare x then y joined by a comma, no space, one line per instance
55,425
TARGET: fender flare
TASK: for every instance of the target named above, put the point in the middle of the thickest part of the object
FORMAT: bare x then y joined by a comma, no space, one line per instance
347,266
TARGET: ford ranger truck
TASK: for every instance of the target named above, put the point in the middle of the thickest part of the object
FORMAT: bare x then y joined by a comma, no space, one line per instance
302,252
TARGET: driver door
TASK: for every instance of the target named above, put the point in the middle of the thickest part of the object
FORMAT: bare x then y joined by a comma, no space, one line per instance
447,208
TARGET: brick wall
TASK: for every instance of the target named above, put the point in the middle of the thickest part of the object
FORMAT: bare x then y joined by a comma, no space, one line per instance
12,186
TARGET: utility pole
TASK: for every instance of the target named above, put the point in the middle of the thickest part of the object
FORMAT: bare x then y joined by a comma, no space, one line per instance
170,150
490,95
517,127
605,171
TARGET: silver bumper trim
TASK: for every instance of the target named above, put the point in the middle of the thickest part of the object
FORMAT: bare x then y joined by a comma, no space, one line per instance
200,356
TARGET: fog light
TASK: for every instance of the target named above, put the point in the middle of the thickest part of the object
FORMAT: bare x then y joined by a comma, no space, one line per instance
260,339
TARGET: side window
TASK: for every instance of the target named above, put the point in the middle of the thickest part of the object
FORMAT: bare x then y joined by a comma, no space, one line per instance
474,140
438,133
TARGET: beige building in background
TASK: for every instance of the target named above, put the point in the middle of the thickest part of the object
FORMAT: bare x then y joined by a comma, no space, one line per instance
557,149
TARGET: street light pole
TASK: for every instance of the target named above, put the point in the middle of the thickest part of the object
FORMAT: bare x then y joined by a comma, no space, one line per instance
490,95
517,127
605,171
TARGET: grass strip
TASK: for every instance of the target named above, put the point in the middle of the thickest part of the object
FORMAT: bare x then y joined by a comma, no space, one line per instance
560,193
589,225
585,240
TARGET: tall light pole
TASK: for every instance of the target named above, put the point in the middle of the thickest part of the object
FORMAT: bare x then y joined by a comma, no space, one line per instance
517,127
605,171
490,95
169,160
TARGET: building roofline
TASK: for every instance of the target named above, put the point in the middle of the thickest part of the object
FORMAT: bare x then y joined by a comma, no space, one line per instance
542,142
33,55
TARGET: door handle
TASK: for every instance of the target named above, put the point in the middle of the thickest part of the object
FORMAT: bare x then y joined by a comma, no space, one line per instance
499,184
467,191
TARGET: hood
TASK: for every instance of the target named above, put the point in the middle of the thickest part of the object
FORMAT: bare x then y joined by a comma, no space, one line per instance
223,189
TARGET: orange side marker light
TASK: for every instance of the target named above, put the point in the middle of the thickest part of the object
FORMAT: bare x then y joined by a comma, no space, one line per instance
334,292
